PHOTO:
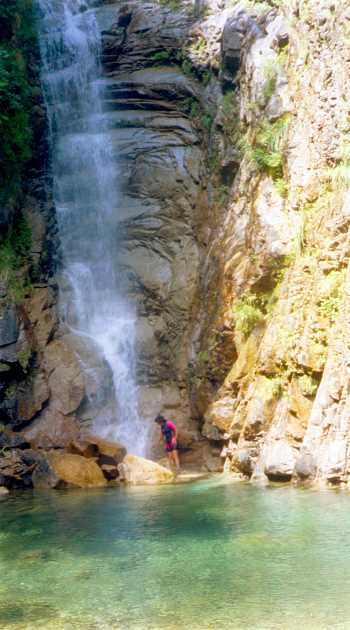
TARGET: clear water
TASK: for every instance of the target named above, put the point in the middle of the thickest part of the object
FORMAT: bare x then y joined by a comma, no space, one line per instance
203,555
86,194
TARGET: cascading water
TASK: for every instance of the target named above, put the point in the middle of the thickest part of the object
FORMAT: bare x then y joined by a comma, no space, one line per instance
86,199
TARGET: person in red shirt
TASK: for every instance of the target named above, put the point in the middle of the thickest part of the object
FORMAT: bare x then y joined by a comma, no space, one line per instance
169,436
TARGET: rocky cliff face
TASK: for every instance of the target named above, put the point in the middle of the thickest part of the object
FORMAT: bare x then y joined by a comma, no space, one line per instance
231,140
283,251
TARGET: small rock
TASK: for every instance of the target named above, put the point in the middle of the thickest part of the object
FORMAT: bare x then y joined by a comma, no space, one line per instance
4,491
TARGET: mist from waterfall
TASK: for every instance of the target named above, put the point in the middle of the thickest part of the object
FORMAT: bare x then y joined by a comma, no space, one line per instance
85,177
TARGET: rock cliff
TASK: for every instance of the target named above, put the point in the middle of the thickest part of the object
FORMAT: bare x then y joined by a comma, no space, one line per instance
230,124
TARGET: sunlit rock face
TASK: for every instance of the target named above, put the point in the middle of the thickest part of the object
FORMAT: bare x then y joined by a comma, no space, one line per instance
283,255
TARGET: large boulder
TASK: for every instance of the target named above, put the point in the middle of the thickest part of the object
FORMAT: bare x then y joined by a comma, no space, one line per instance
75,470
136,470
52,429
65,377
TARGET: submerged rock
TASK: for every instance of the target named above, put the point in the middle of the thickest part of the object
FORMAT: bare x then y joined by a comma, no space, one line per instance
139,471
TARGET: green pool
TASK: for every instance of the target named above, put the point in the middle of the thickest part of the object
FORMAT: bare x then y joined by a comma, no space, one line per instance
209,554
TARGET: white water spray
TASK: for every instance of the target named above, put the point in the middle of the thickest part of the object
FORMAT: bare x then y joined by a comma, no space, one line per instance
86,198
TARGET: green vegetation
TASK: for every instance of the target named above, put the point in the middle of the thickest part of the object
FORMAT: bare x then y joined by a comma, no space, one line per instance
266,149
174,5
248,312
339,175
14,255
17,39
162,56
271,71
308,385
24,357
230,118
173,56
332,291
254,308
272,386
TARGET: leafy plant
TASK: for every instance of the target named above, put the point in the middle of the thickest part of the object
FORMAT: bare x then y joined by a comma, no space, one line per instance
248,313
161,56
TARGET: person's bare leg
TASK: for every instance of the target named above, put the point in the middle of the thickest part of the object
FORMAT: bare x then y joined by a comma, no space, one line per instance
170,460
176,459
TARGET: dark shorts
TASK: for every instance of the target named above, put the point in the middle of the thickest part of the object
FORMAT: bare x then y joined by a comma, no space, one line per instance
170,446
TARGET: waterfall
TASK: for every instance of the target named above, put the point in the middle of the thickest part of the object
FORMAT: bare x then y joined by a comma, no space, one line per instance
85,174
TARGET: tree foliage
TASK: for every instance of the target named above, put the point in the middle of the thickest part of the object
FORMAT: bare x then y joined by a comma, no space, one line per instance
17,39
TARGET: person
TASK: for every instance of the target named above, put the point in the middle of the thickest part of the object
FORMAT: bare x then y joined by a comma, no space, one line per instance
169,436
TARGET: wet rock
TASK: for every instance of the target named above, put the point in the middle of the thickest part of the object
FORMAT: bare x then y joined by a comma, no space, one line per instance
139,471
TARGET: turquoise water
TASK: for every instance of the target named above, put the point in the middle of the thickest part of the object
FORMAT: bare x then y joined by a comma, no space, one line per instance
209,554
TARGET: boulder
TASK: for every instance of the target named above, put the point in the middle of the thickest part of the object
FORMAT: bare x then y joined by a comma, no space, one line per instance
31,398
75,470
221,414
106,452
65,377
52,430
136,470
279,461
44,477
305,466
